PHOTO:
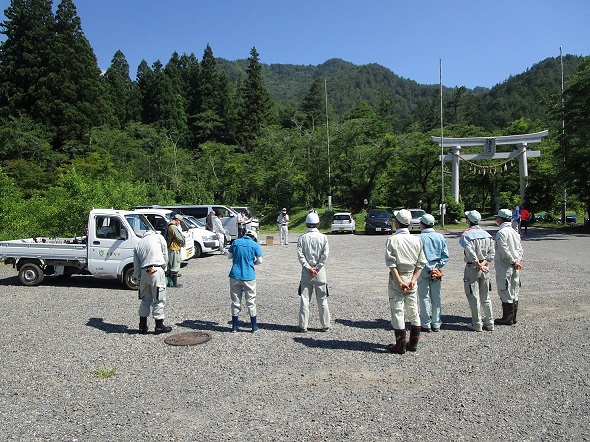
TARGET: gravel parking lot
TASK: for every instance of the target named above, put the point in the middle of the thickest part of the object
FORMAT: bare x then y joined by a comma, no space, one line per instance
528,382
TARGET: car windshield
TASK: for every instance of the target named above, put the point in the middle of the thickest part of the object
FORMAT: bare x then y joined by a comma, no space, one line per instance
417,213
138,223
378,214
341,217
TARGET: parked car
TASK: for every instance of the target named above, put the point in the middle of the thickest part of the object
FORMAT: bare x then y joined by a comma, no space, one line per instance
343,222
255,223
415,224
159,219
378,221
205,240
229,220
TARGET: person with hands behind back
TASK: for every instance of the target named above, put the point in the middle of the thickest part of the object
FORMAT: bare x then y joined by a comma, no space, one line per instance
478,247
404,256
508,265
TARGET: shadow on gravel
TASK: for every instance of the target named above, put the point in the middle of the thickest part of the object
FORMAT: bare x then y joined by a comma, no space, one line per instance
197,324
107,327
452,322
336,344
13,280
380,323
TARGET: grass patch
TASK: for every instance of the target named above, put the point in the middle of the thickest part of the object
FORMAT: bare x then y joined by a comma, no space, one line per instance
105,372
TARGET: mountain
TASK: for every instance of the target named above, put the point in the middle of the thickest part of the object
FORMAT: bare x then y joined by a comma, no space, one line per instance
523,95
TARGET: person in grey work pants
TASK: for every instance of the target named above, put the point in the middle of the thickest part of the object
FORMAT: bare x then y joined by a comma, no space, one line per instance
479,252
508,265
149,266
313,251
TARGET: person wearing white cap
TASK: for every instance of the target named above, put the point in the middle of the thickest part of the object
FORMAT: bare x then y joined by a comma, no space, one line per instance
508,264
478,247
312,252
219,230
175,240
430,281
283,224
404,256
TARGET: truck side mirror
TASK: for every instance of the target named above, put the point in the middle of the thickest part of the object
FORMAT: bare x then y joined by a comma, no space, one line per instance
123,234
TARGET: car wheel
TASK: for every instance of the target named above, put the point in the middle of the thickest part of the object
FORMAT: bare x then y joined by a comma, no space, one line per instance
30,274
130,282
198,250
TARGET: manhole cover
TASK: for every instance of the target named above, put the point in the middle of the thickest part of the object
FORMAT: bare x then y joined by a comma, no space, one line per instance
188,338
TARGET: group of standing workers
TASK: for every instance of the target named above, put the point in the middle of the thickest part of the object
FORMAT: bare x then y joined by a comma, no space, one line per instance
415,264
415,276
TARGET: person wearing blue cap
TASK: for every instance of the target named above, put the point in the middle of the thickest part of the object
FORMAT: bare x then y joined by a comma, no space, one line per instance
430,281
478,247
508,265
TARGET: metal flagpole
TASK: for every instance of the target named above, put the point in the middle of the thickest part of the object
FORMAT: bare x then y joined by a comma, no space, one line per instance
328,136
564,214
442,153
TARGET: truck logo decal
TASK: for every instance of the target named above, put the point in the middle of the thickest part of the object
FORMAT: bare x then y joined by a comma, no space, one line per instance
101,253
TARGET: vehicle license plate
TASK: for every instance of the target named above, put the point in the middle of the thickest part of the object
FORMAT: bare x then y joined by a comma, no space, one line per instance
340,228
378,229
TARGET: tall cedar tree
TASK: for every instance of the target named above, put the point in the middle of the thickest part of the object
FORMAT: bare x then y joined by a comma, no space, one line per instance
77,101
211,120
255,104
25,58
162,106
123,93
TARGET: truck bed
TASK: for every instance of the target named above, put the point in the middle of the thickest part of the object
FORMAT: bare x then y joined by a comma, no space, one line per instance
62,249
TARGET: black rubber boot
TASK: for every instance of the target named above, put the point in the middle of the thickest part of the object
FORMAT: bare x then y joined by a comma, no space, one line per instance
161,328
400,343
143,328
254,324
515,311
414,338
174,278
234,324
507,314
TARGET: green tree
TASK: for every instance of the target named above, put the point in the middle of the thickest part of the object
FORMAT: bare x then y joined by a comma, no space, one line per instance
123,93
255,105
576,139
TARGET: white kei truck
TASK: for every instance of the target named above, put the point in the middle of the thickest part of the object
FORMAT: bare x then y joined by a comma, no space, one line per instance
106,252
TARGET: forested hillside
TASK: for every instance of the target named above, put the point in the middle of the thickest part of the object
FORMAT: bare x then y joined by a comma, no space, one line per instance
200,129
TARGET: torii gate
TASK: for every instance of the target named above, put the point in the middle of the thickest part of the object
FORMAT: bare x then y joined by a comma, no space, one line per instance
490,153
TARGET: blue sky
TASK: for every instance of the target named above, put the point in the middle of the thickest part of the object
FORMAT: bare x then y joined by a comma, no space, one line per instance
481,43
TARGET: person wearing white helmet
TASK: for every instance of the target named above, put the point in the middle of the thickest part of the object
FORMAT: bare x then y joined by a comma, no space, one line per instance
404,256
478,247
312,252
430,281
283,225
245,253
508,266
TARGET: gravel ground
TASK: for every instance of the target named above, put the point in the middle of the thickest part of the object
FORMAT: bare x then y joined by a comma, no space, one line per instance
528,382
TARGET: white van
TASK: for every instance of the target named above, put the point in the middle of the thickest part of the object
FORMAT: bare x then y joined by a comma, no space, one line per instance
229,220
159,219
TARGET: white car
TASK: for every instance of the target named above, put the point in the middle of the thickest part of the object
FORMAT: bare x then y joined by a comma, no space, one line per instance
343,222
414,226
159,219
205,240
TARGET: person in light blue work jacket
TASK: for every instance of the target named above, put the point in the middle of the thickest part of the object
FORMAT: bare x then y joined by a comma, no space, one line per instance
430,281
478,246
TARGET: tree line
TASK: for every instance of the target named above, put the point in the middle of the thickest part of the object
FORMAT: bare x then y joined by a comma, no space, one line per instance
196,131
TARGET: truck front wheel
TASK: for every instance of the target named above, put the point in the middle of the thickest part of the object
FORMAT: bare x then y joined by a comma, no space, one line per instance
129,281
30,274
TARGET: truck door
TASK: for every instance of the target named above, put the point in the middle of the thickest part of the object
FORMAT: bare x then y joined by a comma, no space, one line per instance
107,248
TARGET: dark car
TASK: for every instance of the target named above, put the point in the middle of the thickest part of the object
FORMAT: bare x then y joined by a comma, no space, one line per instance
378,221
